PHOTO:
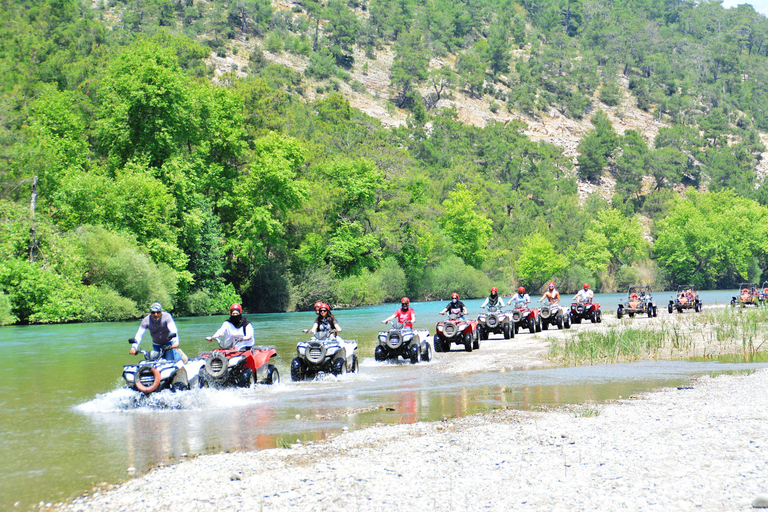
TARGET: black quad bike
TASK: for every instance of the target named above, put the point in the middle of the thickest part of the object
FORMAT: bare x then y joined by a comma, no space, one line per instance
403,342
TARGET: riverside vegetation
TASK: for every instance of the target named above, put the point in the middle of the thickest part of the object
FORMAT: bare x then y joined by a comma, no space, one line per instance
130,174
712,334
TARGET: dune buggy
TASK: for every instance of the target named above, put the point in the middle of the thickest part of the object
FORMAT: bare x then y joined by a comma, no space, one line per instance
494,321
639,301
686,298
586,311
456,330
748,295
402,341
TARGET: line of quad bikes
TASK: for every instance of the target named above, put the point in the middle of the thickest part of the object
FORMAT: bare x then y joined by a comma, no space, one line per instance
325,353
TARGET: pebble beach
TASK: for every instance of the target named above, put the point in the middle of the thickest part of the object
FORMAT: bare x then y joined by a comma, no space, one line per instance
697,447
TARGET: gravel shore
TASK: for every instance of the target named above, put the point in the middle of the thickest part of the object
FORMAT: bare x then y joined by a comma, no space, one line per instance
697,448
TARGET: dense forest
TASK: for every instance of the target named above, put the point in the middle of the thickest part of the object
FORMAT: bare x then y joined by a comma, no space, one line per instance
130,173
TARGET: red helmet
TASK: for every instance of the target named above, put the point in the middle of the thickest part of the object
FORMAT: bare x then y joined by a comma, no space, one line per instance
586,286
323,305
318,305
405,300
454,295
551,286
236,307
521,290
494,290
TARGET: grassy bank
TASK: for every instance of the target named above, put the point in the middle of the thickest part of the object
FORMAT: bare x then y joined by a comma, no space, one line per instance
740,333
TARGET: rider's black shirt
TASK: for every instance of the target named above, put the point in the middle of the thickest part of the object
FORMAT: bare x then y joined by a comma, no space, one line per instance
455,309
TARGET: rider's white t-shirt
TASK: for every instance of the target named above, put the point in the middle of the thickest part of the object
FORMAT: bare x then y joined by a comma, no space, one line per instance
585,295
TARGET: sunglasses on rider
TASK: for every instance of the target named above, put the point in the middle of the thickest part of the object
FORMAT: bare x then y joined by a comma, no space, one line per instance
323,310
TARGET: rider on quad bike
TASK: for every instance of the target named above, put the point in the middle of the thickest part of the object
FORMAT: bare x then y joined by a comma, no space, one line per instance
161,326
495,320
551,313
584,307
522,315
457,329
406,315
237,362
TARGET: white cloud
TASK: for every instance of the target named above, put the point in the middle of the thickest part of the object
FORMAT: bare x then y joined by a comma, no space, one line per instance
760,6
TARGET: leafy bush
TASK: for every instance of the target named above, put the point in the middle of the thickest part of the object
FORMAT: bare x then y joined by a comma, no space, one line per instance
103,304
453,275
321,64
115,260
358,290
391,280
6,315
315,284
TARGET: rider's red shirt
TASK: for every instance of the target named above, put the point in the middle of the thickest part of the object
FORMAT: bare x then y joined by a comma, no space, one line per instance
405,317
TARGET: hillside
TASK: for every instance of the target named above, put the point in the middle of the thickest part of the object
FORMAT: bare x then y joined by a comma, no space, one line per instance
204,152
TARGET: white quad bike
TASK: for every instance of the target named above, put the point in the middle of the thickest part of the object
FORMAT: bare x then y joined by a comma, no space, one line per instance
155,373
409,343
326,353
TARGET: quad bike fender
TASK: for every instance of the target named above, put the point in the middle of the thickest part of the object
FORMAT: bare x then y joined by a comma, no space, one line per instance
262,355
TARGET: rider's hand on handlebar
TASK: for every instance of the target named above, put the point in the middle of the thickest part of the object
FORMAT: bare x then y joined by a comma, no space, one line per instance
208,339
306,330
132,351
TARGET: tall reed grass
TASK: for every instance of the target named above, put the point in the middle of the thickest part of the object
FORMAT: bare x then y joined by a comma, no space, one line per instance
710,334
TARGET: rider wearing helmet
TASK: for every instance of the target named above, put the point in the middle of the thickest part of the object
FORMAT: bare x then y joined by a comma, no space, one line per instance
326,321
552,295
406,315
318,305
493,299
236,330
520,299
455,307
584,295
160,325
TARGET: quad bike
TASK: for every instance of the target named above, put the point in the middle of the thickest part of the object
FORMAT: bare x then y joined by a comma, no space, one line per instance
155,373
456,330
555,315
586,311
405,342
748,295
494,321
326,353
227,367
687,297
525,317
639,301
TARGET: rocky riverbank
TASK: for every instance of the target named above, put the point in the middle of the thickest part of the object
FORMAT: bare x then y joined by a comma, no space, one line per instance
701,447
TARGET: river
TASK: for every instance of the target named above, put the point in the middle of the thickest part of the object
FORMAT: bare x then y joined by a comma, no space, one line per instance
66,422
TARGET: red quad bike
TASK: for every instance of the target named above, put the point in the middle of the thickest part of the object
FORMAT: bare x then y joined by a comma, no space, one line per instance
226,367
458,331
525,317
586,311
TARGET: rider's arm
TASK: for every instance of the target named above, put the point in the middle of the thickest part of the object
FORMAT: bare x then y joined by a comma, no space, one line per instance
314,328
484,302
221,332
501,302
172,330
337,326
248,332
390,317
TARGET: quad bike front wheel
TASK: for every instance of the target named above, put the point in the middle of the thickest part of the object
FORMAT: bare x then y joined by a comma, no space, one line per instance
507,331
438,343
468,342
538,325
669,309
355,365
247,379
297,370
339,367
476,343
380,354
426,352
414,353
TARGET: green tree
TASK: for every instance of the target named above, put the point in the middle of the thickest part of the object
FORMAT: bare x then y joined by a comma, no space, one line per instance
469,230
538,262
